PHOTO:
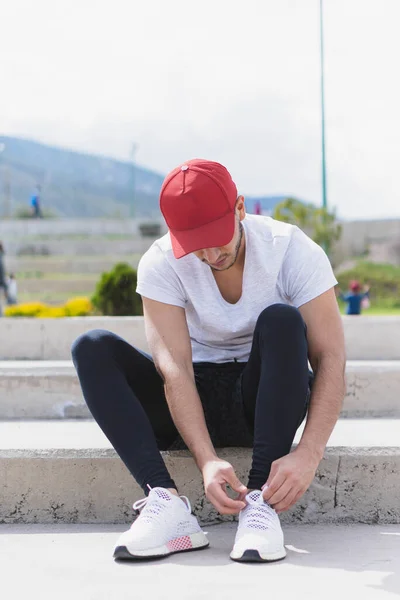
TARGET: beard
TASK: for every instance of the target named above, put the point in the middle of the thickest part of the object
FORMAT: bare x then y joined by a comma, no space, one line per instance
235,253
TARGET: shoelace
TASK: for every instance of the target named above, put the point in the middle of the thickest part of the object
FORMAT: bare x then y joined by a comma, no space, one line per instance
259,514
140,504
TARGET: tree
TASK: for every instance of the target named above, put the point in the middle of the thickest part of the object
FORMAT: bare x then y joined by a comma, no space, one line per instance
116,292
318,223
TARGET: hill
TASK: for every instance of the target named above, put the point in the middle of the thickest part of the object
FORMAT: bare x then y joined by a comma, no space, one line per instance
77,184
74,184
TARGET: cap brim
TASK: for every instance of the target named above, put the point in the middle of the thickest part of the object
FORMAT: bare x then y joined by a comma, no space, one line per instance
213,235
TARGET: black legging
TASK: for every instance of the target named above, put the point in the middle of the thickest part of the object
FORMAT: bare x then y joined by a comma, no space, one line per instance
257,404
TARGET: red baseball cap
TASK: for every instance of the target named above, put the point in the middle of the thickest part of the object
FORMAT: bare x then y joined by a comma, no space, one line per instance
355,285
198,202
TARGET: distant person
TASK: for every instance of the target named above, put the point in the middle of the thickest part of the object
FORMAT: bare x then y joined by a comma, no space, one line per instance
3,282
35,203
356,298
12,290
257,208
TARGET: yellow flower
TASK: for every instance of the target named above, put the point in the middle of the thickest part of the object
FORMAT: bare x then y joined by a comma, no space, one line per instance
76,307
29,309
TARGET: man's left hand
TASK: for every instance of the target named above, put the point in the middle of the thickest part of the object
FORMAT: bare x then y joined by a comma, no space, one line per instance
289,479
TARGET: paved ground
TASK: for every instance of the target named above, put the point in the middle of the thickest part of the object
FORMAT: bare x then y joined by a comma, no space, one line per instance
74,562
87,434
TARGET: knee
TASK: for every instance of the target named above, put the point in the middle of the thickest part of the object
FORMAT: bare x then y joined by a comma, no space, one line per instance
280,316
89,344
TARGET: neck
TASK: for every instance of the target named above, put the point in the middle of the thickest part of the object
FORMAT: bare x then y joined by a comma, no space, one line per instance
242,251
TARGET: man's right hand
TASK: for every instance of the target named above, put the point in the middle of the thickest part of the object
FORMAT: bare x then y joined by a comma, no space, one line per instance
217,474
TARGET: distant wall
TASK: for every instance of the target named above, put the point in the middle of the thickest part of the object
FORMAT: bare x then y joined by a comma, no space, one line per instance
360,237
74,237
53,227
357,238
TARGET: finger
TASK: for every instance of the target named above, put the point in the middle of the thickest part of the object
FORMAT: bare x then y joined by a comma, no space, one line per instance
297,497
281,493
223,510
273,486
273,471
235,483
242,496
287,501
223,499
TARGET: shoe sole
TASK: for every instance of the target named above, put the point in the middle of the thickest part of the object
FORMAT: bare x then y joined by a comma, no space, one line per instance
198,542
255,556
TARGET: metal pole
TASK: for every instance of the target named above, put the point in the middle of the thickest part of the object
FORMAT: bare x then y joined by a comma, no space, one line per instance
324,192
134,149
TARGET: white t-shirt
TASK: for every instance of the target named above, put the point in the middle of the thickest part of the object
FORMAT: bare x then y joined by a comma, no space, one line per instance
12,289
282,265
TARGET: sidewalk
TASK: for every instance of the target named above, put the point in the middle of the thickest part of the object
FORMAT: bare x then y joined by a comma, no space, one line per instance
324,562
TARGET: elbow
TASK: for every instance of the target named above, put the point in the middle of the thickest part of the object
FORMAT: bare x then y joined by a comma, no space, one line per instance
332,366
333,360
172,372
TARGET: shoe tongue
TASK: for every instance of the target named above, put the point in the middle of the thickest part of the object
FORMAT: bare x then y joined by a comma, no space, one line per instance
253,496
161,493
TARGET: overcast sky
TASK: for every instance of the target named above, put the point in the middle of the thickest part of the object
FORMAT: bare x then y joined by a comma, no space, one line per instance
233,81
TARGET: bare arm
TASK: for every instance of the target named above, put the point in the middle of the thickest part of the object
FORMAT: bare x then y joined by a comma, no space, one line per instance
327,355
169,341
292,474
168,337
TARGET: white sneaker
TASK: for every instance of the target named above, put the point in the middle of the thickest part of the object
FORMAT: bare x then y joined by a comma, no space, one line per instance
259,537
165,526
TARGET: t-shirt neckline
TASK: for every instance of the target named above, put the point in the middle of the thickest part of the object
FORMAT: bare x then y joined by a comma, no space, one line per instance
245,269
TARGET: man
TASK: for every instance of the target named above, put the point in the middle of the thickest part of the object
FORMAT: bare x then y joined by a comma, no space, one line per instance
355,298
12,290
234,306
3,281
36,206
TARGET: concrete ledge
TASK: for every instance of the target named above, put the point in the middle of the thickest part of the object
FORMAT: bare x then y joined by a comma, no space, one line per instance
372,338
40,390
72,486
367,338
50,474
51,339
50,390
373,389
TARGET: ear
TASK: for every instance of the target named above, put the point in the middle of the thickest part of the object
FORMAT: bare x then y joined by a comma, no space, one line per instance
240,207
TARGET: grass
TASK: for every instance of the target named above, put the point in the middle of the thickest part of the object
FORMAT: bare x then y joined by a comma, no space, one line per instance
44,276
377,311
382,311
384,279
59,297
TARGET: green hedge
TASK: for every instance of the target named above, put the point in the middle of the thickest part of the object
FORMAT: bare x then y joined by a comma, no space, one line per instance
116,292
384,280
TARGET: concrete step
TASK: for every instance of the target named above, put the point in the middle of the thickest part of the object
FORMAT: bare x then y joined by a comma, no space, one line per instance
40,390
51,339
66,471
351,561
50,390
367,338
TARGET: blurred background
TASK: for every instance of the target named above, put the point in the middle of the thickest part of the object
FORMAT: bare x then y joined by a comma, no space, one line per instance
100,100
